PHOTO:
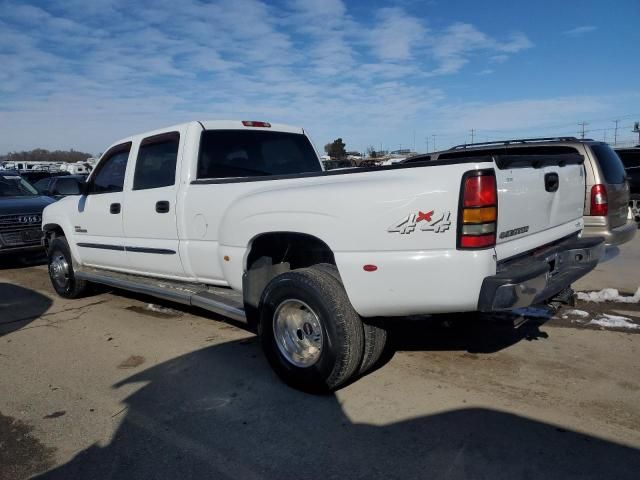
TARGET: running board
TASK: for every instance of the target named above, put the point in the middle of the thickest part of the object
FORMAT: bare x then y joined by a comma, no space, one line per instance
220,300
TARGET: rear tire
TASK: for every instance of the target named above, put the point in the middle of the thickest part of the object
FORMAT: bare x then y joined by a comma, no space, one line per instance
375,342
61,271
375,335
310,333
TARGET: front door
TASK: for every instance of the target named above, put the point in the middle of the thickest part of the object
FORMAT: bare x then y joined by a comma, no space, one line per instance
98,224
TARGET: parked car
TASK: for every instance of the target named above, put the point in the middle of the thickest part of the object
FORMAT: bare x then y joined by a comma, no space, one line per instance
336,164
241,219
607,190
631,160
34,176
20,214
61,186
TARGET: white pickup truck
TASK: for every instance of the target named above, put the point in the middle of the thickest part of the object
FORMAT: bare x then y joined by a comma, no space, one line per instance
238,217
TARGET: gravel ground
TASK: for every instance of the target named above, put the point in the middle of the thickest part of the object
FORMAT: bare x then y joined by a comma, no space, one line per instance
111,387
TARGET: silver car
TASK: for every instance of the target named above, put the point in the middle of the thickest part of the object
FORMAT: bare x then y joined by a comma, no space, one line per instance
607,190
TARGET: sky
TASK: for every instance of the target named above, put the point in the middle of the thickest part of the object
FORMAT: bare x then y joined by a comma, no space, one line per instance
82,74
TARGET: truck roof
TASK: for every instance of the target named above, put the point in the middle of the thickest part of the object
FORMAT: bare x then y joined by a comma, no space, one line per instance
217,125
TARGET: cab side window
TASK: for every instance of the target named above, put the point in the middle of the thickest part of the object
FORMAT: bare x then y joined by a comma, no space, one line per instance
111,170
156,163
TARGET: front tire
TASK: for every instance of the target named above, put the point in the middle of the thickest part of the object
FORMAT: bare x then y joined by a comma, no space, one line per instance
310,333
61,271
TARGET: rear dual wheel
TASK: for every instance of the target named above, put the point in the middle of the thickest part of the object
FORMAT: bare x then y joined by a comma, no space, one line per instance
311,335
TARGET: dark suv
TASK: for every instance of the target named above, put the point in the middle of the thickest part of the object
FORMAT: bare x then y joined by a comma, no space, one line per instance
631,160
20,214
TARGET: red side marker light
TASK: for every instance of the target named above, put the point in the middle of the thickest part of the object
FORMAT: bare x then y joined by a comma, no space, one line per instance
369,268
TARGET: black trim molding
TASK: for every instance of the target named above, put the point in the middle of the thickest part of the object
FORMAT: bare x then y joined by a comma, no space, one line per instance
159,251
102,246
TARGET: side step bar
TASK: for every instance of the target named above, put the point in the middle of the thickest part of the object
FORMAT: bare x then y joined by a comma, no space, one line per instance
220,300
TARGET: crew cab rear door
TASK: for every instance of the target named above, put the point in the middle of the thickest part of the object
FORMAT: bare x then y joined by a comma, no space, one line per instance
540,200
150,225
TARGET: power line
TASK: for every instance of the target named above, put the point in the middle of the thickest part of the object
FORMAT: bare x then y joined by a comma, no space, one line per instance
583,124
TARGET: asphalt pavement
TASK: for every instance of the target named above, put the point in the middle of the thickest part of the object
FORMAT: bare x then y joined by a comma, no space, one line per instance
123,386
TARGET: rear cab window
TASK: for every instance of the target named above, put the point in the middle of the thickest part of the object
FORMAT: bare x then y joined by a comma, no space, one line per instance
156,162
610,164
246,153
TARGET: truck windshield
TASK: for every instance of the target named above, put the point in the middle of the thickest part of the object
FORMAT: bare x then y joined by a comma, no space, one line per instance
15,186
248,153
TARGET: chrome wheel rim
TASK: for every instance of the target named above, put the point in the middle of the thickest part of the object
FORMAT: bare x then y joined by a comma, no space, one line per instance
635,209
298,333
59,270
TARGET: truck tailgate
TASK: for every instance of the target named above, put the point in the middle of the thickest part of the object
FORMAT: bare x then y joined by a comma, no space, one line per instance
541,197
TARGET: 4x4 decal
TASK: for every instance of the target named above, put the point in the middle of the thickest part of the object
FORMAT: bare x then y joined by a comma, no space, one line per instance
438,223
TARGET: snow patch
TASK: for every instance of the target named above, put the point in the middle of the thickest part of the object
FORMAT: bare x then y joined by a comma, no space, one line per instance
613,321
609,295
160,309
577,313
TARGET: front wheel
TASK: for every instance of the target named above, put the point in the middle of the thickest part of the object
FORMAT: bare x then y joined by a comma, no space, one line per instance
61,271
310,333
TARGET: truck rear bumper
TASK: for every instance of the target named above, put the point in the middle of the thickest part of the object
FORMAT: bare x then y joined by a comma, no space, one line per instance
536,278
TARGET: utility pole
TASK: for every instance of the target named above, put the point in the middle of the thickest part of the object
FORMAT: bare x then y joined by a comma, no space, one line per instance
615,133
473,131
434,142
583,124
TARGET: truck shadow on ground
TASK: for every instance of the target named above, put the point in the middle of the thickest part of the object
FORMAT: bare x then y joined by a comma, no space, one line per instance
19,306
22,261
220,412
472,332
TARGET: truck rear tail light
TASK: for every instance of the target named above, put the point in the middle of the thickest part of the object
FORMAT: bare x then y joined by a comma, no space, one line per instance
479,215
251,123
478,210
599,201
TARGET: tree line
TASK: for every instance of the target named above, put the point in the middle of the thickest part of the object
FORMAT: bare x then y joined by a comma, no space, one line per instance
43,155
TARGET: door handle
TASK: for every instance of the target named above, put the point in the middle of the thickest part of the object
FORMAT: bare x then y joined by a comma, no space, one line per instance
551,182
162,206
114,208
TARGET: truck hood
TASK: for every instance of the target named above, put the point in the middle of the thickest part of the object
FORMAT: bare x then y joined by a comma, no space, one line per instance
17,205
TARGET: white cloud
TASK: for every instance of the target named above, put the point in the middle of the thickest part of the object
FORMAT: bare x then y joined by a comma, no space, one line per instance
499,58
578,31
395,35
82,74
453,48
